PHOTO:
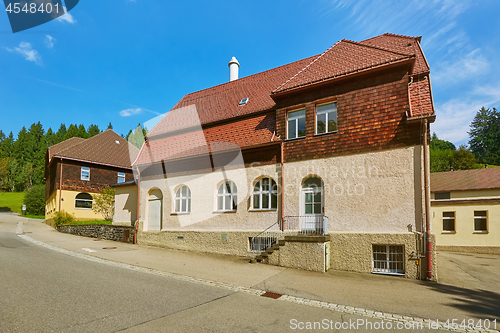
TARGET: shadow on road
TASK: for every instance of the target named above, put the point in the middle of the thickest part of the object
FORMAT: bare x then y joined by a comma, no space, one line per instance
484,303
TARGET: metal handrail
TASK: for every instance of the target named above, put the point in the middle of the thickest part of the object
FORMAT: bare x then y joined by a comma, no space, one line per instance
265,239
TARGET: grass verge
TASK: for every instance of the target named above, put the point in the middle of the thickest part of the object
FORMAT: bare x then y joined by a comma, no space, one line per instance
11,201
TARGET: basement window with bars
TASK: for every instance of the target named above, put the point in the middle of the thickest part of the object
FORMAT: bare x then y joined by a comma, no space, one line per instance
388,259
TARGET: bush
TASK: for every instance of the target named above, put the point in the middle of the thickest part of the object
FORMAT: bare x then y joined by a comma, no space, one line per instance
104,203
62,217
34,199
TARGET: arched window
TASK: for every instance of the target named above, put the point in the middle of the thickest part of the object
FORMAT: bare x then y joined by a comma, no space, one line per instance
265,194
83,201
183,200
227,197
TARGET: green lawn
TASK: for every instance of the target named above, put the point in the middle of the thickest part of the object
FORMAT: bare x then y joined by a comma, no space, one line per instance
13,201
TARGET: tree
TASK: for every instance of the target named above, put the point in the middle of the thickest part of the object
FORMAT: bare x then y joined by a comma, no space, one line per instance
93,130
463,159
61,134
71,132
484,136
136,137
34,199
104,203
110,126
438,144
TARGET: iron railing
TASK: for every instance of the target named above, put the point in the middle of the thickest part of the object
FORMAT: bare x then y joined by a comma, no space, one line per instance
289,226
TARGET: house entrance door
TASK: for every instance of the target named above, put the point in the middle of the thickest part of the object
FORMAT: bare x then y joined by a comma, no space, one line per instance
154,211
312,204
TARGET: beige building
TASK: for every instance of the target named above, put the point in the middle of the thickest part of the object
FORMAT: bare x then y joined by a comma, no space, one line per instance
466,210
318,164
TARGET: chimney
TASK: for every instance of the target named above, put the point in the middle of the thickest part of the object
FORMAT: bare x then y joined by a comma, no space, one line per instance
234,65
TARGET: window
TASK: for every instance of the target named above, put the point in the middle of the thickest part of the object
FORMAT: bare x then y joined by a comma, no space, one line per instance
326,118
265,194
442,196
83,201
121,177
480,221
296,124
183,200
227,197
85,173
312,196
448,221
388,259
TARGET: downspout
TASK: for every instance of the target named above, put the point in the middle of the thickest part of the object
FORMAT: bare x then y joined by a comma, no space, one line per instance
427,203
138,204
282,213
60,184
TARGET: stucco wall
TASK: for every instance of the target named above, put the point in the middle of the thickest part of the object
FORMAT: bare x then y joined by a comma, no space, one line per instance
68,205
125,205
203,188
464,226
372,192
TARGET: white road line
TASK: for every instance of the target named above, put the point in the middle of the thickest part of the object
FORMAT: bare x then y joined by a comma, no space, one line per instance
287,298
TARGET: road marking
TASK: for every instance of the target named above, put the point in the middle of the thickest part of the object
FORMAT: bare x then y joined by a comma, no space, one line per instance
286,298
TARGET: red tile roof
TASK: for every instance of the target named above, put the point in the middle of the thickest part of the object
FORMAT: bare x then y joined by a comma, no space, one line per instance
401,44
221,102
420,98
104,148
479,179
343,58
58,147
239,134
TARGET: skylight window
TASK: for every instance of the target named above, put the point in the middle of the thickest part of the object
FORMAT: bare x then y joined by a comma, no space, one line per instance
244,101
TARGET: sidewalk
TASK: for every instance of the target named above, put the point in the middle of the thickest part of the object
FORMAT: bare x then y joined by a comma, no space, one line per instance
388,294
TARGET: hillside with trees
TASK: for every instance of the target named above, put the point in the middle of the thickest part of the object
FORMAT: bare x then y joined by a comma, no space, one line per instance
22,158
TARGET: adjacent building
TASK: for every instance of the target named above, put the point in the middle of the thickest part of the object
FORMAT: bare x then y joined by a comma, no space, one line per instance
466,210
77,168
325,157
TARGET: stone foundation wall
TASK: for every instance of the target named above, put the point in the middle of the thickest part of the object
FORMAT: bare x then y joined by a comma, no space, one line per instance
299,252
353,252
470,249
107,232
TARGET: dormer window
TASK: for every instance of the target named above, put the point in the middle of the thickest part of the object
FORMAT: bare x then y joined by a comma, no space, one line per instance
244,101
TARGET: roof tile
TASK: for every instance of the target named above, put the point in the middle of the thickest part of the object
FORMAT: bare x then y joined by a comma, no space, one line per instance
478,179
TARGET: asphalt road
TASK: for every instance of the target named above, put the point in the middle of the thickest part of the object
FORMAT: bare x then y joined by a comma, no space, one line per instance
47,291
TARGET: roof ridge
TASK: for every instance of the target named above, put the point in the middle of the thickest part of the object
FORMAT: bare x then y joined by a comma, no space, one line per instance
377,47
243,78
303,69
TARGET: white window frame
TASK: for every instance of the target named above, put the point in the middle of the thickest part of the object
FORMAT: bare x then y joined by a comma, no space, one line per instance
454,223
84,200
261,193
223,194
82,170
480,217
295,119
182,202
328,115
121,177
383,258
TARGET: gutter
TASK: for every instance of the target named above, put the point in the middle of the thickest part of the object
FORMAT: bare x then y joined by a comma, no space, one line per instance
60,184
427,203
138,204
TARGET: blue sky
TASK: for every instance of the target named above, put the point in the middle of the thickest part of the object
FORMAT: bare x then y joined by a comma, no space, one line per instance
127,61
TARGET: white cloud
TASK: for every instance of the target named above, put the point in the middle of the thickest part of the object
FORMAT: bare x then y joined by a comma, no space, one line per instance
130,112
27,52
49,41
67,17
454,116
472,64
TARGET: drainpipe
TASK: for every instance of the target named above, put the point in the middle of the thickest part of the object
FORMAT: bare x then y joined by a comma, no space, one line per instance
427,203
60,184
138,204
282,190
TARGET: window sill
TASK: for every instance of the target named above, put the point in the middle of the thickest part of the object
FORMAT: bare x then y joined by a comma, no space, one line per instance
320,134
302,137
449,232
263,210
480,232
179,213
388,273
83,208
225,211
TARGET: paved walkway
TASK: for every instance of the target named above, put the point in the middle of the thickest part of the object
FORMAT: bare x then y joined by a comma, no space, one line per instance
368,294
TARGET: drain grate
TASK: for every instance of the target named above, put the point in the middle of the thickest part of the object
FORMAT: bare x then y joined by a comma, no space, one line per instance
109,248
271,295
